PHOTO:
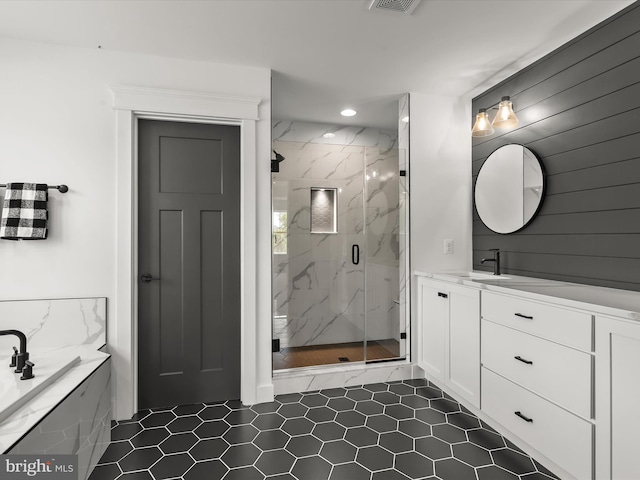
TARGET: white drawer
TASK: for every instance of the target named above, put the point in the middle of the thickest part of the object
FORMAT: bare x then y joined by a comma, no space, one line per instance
554,371
561,325
559,435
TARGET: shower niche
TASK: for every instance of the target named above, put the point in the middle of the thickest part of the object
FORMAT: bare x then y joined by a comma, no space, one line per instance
339,210
323,210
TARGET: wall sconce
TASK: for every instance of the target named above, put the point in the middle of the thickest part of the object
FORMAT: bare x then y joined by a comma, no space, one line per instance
482,127
505,118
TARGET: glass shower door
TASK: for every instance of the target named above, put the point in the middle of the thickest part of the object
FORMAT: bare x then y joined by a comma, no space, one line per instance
319,255
385,332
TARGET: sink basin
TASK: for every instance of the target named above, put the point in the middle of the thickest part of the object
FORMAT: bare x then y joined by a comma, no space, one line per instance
14,393
480,276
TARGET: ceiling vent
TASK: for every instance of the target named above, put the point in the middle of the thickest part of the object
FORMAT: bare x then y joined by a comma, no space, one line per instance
394,6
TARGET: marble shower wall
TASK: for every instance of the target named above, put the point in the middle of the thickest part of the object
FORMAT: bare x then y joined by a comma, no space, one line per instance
318,293
309,132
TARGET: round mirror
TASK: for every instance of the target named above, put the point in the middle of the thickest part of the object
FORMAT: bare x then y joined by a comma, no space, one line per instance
509,188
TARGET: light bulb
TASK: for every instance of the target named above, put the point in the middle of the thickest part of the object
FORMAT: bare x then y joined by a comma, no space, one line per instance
482,127
506,117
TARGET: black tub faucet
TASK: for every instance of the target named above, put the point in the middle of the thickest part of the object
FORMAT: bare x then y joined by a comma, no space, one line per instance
19,358
495,260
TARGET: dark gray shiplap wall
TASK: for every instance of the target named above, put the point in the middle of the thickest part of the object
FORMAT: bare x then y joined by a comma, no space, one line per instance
579,111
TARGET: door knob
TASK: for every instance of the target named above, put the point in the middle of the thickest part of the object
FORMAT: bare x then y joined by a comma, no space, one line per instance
147,277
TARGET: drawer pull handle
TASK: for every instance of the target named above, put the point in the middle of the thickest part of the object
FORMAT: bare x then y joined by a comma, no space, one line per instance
523,316
526,419
443,295
519,358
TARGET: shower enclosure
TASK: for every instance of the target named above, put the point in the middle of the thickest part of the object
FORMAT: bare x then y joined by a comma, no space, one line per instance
339,255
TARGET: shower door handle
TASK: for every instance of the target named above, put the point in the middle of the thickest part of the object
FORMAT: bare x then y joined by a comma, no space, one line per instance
355,254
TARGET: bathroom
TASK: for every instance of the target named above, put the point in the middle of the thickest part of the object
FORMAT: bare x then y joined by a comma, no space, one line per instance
64,96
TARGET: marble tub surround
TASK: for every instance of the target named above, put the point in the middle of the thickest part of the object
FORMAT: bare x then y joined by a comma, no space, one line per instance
65,408
15,392
319,294
28,415
54,323
77,416
599,300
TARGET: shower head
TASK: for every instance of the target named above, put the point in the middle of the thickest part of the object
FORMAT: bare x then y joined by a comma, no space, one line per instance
275,164
279,157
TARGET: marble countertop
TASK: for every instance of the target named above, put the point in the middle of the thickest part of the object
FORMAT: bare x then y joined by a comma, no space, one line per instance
599,300
24,418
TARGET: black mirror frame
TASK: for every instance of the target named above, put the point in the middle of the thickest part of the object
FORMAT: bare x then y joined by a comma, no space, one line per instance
542,194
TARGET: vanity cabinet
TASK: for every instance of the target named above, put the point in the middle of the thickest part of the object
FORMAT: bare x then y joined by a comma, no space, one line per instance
617,396
537,369
559,366
449,322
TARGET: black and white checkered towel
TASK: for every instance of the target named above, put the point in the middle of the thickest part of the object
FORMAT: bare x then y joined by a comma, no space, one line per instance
24,211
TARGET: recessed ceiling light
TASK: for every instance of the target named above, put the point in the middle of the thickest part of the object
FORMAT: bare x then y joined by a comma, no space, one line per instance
348,112
328,135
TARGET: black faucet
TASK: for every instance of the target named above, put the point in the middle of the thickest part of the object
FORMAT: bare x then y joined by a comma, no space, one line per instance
495,260
20,357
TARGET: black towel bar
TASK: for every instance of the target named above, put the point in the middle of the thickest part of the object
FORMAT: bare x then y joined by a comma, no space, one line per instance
60,188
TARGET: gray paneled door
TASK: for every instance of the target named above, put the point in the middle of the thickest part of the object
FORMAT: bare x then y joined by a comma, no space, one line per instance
189,263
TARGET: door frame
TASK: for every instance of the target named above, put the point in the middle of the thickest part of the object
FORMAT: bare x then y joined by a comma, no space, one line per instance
132,103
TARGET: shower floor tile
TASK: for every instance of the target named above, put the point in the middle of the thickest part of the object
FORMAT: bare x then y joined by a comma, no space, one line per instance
416,432
296,357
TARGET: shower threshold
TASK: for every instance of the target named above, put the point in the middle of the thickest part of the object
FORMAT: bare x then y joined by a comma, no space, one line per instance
336,354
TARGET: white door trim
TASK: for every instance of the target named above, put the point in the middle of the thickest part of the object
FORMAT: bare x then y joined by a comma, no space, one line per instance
131,103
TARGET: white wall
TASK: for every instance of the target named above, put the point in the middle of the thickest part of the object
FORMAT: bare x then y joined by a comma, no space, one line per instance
57,125
441,190
441,202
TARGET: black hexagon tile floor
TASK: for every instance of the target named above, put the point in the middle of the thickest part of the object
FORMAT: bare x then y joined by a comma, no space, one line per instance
384,431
